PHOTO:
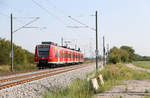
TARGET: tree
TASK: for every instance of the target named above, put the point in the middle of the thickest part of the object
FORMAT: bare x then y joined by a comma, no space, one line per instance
124,55
114,56
4,51
21,56
130,50
117,55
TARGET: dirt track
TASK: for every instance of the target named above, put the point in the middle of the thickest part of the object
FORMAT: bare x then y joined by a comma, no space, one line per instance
130,89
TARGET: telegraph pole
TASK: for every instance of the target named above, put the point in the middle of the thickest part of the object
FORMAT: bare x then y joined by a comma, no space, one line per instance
107,52
75,46
96,51
103,51
12,52
62,41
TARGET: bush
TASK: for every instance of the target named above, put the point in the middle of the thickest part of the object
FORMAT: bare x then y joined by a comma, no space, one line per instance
118,55
114,56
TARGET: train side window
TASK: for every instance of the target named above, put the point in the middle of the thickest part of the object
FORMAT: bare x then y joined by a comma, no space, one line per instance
56,54
66,55
62,54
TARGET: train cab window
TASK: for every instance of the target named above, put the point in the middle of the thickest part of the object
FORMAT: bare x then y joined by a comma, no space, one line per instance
43,51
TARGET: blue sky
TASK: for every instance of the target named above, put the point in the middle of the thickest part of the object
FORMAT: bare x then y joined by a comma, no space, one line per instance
122,22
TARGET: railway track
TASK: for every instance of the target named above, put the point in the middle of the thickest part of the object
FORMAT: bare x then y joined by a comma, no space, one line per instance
24,78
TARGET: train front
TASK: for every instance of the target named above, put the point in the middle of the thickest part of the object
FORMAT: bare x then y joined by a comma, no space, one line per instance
42,53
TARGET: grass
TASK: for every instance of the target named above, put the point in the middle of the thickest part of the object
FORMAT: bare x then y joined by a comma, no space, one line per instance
147,96
25,67
78,89
88,61
143,64
114,74
6,68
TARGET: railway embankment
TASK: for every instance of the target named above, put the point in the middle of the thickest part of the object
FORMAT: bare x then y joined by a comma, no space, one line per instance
37,88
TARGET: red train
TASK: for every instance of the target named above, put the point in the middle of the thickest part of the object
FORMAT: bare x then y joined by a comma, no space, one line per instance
48,54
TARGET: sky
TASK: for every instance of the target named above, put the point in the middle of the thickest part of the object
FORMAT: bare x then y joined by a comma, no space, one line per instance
122,22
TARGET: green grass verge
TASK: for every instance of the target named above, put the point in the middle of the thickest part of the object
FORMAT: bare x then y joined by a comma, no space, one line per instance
143,64
77,89
114,74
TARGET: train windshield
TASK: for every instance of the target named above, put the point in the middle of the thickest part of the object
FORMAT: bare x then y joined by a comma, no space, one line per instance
43,51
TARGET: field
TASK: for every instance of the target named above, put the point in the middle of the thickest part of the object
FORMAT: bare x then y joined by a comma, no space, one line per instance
6,68
143,64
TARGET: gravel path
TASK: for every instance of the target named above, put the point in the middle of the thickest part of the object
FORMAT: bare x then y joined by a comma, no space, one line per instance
137,68
130,88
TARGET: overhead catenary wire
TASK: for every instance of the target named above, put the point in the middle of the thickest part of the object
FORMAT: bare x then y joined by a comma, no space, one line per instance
16,18
48,12
25,17
26,25
81,23
56,8
69,17
4,15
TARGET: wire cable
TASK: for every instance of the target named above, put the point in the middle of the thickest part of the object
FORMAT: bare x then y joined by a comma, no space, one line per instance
4,15
48,12
81,23
26,24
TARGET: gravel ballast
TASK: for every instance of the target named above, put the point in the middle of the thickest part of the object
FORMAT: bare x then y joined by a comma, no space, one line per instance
37,88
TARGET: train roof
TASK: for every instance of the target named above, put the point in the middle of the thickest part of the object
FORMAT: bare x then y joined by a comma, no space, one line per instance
55,44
